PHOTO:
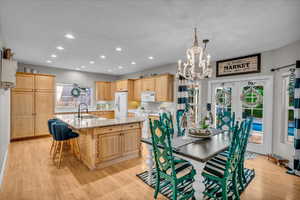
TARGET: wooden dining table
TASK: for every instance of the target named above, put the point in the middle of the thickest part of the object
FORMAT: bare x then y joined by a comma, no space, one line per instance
197,149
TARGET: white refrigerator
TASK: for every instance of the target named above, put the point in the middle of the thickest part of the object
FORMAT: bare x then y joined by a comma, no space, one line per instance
121,104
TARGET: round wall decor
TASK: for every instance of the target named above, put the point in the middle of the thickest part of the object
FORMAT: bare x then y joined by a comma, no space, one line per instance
75,92
255,96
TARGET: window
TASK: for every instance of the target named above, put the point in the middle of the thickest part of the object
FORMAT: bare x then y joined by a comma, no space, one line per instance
65,99
253,106
223,99
289,112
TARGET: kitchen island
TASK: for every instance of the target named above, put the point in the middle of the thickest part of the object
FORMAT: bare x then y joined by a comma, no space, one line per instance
104,142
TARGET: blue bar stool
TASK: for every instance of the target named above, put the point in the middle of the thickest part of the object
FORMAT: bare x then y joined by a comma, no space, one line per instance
63,135
50,121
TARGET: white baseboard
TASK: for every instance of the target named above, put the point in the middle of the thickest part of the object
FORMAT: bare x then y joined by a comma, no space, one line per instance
2,168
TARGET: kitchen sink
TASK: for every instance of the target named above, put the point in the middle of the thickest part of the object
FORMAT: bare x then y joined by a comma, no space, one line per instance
87,116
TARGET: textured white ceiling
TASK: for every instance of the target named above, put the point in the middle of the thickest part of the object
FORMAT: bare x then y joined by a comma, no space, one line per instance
159,28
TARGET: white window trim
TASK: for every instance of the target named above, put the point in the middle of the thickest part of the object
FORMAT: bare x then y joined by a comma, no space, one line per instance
285,109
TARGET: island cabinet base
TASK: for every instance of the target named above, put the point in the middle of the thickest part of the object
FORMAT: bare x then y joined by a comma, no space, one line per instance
103,146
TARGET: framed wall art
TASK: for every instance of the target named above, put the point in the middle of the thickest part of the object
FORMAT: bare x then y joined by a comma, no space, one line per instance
241,65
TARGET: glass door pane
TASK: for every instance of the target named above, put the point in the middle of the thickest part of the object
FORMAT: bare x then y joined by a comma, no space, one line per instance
222,99
252,98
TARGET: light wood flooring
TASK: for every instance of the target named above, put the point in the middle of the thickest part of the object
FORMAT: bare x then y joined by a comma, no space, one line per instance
31,175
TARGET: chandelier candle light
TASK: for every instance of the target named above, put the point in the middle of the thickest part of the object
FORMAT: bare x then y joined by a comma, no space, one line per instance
197,65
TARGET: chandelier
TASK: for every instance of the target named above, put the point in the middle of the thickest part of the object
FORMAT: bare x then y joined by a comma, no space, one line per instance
197,65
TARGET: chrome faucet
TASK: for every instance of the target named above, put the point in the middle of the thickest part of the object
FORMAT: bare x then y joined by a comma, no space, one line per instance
79,109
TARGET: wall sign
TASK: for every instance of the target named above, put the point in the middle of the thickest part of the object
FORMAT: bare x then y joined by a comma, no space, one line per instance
240,65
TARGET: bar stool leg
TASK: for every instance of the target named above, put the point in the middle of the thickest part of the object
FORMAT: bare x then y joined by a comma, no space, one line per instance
60,153
51,148
78,148
71,142
55,151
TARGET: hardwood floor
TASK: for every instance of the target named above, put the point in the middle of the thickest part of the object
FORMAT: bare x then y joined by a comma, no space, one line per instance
30,174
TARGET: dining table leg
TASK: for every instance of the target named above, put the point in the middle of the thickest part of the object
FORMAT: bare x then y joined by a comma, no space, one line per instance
150,163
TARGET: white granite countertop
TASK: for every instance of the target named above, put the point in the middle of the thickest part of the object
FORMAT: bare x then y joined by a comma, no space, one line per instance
94,121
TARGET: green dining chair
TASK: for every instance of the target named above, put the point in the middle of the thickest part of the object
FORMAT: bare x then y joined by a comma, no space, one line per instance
173,173
246,133
180,129
166,119
225,120
223,169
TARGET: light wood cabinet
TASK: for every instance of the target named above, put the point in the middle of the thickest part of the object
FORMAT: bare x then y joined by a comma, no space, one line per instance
103,91
113,90
131,114
44,82
22,111
148,84
32,104
164,88
117,142
126,85
110,146
22,103
44,109
137,89
131,141
24,82
41,124
122,85
162,85
22,126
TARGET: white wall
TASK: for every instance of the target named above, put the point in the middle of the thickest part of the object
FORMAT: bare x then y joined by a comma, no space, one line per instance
269,59
4,127
84,79
4,123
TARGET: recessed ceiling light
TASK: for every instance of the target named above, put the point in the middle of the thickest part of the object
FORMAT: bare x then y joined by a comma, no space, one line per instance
133,63
82,66
53,56
48,61
102,56
77,68
150,57
69,36
92,62
120,67
118,49
109,70
60,48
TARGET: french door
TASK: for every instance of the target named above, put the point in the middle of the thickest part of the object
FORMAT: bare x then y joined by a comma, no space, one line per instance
249,97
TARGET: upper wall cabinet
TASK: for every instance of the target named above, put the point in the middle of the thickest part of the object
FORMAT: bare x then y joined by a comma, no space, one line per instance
24,82
148,84
164,87
37,82
44,82
113,90
122,85
137,89
104,91
126,85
